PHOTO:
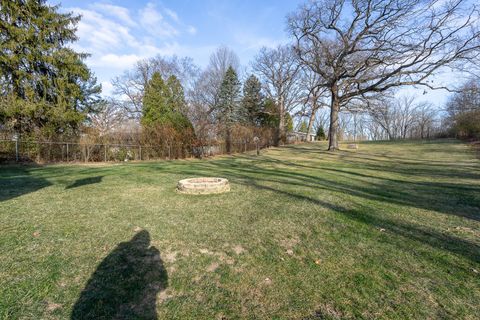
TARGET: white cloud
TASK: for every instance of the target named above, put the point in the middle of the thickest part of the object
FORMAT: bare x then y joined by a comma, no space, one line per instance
154,22
97,33
120,13
107,88
172,14
116,37
116,61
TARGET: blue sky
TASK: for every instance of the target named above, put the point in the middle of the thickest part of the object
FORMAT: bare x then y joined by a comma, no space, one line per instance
118,33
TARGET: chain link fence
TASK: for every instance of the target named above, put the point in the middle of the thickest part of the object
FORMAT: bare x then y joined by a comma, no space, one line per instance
13,149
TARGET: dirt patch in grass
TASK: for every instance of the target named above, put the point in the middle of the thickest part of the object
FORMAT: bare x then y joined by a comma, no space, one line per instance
212,267
238,249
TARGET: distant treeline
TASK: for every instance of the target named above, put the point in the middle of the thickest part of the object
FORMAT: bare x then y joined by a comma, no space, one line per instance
336,79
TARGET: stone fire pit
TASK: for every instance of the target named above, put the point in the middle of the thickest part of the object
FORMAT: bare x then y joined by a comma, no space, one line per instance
205,185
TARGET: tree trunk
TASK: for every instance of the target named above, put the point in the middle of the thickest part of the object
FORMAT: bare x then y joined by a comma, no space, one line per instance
311,119
280,132
333,132
228,140
281,129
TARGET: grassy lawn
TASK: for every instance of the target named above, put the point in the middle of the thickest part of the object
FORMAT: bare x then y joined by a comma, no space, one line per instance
391,230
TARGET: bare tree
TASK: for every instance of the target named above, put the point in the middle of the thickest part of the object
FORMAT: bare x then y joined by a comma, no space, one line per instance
393,115
362,47
403,117
109,117
466,100
206,91
130,86
279,72
463,110
374,130
314,95
207,87
322,119
425,120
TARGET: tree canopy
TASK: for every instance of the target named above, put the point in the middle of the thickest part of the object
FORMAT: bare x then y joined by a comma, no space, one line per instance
45,84
228,108
164,103
361,48
253,100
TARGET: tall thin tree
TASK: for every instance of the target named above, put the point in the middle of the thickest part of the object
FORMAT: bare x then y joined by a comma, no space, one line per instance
279,73
228,105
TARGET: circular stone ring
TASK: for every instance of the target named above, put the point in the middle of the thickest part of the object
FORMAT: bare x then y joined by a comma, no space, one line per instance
204,185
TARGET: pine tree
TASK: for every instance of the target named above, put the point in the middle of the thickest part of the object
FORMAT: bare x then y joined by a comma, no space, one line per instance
155,101
177,106
253,100
303,127
45,83
164,104
228,106
320,133
269,117
288,122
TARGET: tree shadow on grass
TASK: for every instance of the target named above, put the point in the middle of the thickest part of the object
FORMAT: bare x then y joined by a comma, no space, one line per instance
407,231
125,284
447,198
458,199
16,181
85,181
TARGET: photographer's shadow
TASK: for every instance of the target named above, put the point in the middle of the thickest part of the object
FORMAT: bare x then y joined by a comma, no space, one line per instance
125,284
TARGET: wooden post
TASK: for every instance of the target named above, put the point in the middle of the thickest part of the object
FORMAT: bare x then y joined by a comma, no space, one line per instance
140,152
105,153
16,149
67,152
257,140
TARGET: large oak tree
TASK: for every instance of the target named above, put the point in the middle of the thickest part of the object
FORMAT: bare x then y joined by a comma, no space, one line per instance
365,47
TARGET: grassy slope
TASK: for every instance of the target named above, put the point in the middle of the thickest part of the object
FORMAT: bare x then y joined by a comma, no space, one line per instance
391,230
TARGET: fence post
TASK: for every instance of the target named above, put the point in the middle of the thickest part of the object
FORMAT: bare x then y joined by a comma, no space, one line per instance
257,140
105,153
67,152
140,152
16,149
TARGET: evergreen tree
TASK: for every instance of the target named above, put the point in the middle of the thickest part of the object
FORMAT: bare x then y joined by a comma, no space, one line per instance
164,104
288,123
253,100
177,106
320,133
228,106
155,105
45,84
303,127
269,117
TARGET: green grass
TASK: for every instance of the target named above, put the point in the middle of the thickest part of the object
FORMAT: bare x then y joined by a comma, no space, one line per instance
391,230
